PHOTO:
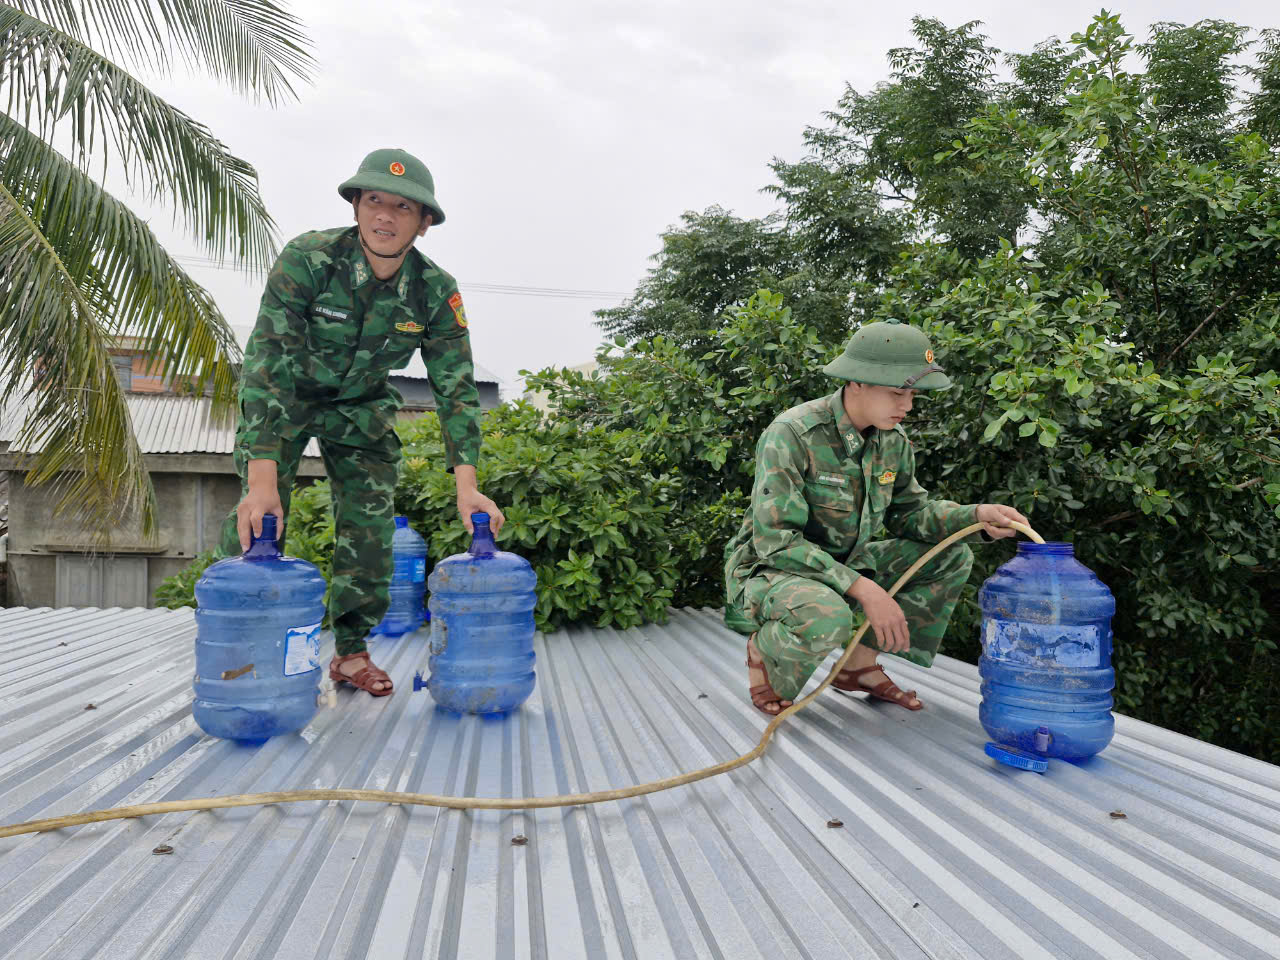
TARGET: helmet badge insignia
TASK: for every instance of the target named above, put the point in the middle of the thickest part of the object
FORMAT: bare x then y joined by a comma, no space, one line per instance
928,356
397,169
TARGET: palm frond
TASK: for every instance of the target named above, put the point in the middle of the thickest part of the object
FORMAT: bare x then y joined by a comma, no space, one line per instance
54,345
130,282
55,82
254,46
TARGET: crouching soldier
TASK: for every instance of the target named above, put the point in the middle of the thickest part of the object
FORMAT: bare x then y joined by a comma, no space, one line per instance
803,571
342,309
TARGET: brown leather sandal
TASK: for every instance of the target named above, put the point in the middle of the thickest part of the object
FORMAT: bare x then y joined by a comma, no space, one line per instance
847,680
763,694
361,679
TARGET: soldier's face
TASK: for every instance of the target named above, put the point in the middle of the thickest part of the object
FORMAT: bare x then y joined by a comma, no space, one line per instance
388,221
881,407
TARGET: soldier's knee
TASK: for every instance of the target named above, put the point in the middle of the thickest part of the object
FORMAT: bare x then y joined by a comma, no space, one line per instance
959,560
819,613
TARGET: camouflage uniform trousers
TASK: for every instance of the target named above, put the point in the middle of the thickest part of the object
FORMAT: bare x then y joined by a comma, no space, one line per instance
799,621
363,483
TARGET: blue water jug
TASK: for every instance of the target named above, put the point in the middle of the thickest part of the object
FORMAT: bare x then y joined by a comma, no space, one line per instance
481,640
408,582
1046,654
258,642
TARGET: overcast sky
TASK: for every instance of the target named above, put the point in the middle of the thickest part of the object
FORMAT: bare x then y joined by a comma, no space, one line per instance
565,136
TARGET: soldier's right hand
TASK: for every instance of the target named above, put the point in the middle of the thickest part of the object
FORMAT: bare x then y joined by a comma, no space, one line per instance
263,498
886,617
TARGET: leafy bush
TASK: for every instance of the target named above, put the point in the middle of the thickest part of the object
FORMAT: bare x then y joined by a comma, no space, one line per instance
179,590
582,507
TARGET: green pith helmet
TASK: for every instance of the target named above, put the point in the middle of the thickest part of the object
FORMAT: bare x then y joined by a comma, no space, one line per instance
889,354
395,171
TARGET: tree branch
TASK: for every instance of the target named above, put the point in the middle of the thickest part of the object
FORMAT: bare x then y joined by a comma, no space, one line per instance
1203,323
1115,518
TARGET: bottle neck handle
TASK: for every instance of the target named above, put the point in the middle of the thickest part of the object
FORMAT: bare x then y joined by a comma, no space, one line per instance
262,550
482,542
264,547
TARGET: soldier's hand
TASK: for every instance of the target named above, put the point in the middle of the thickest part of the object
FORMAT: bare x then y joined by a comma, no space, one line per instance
256,505
473,501
883,613
995,518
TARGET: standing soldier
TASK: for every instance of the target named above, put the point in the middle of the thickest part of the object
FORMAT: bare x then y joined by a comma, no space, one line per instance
803,567
343,308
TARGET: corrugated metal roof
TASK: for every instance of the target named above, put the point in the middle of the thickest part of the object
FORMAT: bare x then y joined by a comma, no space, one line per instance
417,370
163,425
943,854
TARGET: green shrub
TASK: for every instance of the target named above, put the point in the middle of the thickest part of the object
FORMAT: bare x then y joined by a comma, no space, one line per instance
581,505
179,590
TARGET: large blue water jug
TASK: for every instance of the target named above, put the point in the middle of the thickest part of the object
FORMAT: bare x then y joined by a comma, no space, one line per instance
258,642
1046,654
481,640
408,582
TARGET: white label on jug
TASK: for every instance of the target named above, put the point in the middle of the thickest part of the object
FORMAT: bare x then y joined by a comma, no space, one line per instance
301,649
1051,644
419,569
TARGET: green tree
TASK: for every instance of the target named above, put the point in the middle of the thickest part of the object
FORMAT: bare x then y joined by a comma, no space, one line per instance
710,262
1263,106
77,267
1116,374
1190,78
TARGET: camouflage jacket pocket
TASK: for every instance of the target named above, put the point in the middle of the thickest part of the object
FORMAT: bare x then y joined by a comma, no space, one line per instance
328,335
833,515
397,350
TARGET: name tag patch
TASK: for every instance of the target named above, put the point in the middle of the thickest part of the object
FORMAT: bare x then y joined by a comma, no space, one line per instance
331,312
834,479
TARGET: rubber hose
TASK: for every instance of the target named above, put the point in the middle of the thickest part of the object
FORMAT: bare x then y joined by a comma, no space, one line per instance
495,803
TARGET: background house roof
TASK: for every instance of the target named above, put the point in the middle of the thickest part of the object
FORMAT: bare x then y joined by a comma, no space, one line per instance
163,424
942,853
417,370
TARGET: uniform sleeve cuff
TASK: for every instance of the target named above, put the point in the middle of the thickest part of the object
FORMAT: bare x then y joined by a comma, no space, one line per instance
842,578
272,454
981,535
460,460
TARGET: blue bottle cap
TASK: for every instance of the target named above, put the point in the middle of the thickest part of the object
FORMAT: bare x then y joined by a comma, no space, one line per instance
479,518
402,521
1013,757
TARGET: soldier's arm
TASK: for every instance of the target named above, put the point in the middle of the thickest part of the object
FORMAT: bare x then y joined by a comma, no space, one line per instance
912,514
779,513
268,391
446,350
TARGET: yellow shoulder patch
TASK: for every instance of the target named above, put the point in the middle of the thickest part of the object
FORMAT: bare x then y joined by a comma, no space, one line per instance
459,314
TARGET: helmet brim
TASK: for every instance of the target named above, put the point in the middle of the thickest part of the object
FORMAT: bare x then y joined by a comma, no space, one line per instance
392,184
885,374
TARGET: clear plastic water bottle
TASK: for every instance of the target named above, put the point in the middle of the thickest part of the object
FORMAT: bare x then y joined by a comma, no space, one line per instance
258,642
1046,654
408,582
481,640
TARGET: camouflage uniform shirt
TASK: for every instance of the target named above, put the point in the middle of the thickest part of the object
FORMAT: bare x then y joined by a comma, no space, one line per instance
822,493
329,333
